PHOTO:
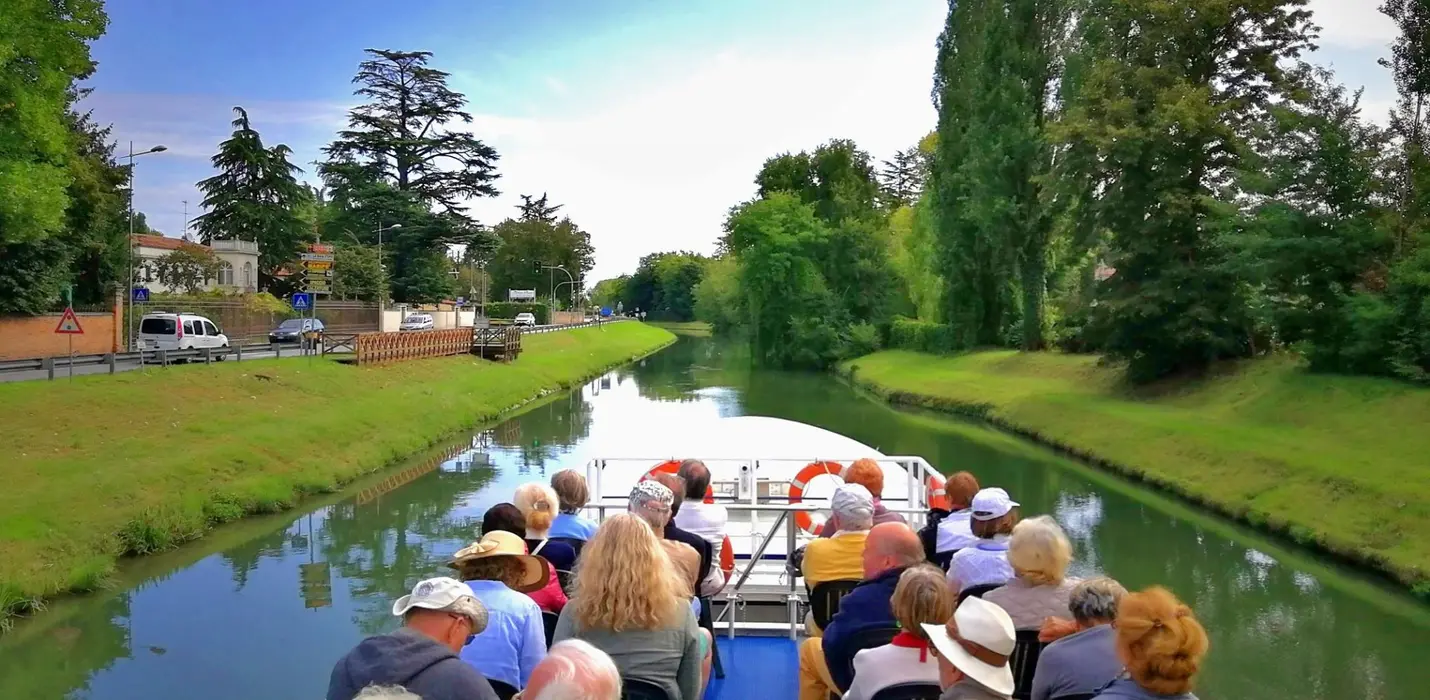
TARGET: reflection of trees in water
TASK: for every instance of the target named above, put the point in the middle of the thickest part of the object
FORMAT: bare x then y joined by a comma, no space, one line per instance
61,660
382,547
244,558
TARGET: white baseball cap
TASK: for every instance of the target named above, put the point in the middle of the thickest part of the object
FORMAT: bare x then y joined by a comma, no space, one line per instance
852,502
978,641
992,503
443,593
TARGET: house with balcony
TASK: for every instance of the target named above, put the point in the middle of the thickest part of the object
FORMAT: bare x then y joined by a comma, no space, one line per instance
238,262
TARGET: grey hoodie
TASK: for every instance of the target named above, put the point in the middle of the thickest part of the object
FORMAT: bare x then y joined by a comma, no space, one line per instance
412,660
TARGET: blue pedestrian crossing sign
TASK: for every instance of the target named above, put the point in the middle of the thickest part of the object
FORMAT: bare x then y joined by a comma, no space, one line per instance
141,294
302,301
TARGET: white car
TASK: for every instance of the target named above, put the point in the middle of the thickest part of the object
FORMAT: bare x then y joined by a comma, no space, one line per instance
417,322
524,319
181,331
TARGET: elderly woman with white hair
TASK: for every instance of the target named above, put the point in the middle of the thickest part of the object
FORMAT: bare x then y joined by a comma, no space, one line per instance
1086,660
1039,554
574,670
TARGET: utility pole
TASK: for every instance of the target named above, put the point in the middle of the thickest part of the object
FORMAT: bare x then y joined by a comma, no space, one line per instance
129,293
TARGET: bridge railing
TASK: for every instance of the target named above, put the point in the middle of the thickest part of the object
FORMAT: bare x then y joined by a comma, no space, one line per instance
374,348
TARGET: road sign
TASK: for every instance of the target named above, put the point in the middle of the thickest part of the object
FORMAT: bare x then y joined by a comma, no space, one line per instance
461,301
605,312
302,300
321,248
316,257
140,294
69,323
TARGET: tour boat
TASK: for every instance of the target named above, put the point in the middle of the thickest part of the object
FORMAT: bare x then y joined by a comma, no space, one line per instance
775,477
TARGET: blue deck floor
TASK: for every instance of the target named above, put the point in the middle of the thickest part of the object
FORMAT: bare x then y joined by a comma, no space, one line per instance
756,668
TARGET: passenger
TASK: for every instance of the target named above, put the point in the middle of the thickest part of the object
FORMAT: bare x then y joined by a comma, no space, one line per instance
572,494
505,517
955,531
574,670
921,598
841,557
1039,553
828,664
538,505
985,564
386,692
867,473
973,650
1085,661
676,534
439,616
708,520
652,501
1160,644
498,570
630,603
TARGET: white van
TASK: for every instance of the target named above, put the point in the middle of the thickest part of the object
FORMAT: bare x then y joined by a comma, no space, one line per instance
181,331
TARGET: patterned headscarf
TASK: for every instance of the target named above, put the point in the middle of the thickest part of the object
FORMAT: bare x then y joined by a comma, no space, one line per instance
651,494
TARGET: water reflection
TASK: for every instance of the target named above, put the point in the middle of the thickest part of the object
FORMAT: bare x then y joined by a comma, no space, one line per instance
261,609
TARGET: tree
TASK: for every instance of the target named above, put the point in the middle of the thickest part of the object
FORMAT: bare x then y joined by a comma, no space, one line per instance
254,197
529,246
357,273
96,231
719,300
404,133
609,292
187,269
537,209
1410,65
901,180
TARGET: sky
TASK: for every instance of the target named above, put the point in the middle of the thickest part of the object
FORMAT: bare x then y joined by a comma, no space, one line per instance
646,119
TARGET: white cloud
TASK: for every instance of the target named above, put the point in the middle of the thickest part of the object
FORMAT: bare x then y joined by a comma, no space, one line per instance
1355,24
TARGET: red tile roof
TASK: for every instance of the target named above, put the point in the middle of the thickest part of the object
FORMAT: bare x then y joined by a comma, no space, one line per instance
162,242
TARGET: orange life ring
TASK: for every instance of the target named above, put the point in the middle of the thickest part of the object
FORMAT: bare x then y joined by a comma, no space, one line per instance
727,555
802,479
938,498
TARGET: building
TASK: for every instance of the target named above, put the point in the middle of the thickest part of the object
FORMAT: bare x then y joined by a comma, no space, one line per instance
238,262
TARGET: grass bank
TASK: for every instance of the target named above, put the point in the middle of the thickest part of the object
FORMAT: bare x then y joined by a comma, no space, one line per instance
699,329
1338,463
106,467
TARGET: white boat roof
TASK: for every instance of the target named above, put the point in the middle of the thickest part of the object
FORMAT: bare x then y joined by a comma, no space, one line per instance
754,437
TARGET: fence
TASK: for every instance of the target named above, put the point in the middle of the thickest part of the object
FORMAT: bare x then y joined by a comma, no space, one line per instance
374,348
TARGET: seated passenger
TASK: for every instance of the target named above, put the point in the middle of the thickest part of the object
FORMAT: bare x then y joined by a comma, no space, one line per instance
973,651
538,504
867,473
921,598
1039,553
572,494
1160,643
841,557
630,603
498,570
574,670
439,617
651,501
505,517
1086,660
707,520
955,531
986,563
827,665
676,534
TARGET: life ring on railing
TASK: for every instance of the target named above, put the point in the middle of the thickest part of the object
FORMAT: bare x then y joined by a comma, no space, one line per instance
727,555
802,479
938,498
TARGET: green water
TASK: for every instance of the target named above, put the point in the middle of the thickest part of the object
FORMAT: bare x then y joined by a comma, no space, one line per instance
263,608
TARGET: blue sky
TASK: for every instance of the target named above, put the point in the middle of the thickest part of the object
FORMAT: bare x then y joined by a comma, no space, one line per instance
648,119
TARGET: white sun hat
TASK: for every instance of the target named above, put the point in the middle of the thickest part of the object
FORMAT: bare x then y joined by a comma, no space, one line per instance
978,641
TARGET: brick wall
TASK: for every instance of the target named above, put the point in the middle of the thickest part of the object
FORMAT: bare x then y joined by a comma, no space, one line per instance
34,336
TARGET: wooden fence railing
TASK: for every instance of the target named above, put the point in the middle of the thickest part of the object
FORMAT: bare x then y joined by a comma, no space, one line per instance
374,348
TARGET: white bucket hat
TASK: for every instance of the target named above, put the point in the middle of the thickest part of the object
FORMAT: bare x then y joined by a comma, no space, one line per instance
443,593
978,641
991,504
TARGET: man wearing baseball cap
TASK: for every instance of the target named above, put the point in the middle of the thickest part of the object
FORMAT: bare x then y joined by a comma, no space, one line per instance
973,651
440,616
841,557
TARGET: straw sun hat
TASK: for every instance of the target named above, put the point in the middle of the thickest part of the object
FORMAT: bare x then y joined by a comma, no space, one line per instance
535,573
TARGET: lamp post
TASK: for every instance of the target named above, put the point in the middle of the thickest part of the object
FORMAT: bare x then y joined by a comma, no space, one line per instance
382,262
132,155
562,268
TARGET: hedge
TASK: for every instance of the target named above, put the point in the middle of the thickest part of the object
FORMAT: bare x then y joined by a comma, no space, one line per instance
509,310
923,336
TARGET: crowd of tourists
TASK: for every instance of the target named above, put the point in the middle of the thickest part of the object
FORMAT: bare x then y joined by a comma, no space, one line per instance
548,605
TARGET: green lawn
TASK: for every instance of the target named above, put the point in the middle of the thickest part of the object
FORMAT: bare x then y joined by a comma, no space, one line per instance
113,465
1339,462
693,328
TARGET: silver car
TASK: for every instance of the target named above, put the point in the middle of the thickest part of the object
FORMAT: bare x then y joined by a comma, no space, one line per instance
417,322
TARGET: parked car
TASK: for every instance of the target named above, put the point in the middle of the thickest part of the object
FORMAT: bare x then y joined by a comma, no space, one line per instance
292,330
417,322
525,319
181,331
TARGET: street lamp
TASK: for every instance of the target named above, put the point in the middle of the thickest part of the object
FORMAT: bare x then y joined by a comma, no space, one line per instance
380,229
132,155
562,268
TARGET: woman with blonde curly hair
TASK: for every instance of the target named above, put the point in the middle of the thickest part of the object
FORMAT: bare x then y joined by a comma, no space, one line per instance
1160,643
630,603
1039,553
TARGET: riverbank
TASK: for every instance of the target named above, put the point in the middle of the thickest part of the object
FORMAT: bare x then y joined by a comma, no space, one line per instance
1337,463
106,467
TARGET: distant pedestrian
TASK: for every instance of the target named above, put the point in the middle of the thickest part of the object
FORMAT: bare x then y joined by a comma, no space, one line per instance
439,616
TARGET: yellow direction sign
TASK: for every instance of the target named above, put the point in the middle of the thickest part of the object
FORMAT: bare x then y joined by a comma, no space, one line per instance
69,323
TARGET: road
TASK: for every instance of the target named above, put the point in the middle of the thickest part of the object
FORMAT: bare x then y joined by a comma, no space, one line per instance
63,372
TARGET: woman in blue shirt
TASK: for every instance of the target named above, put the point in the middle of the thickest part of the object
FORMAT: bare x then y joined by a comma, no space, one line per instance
500,574
572,494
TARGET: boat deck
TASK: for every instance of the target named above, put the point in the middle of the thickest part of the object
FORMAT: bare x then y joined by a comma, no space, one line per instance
756,667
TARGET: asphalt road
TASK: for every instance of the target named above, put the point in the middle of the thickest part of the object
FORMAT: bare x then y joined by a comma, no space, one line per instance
62,373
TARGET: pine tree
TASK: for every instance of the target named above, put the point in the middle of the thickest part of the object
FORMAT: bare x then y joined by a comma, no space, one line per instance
538,209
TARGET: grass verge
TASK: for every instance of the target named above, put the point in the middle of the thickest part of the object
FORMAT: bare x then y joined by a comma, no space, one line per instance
1337,463
699,329
139,462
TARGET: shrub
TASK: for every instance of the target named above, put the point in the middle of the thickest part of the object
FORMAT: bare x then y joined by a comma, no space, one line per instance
509,309
863,339
923,336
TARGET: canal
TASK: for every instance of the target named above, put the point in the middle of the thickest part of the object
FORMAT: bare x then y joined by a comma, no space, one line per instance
261,609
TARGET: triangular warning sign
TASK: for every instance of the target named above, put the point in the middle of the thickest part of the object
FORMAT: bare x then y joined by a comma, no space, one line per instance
69,323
